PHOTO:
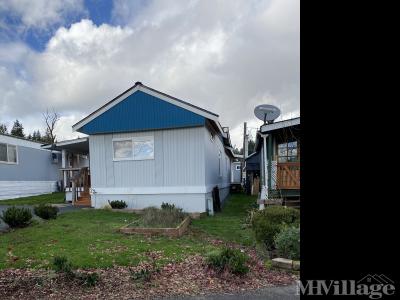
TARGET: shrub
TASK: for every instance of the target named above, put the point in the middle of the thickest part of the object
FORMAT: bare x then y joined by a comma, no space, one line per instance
118,204
227,259
288,243
62,265
17,217
46,211
155,217
167,206
88,279
268,223
143,275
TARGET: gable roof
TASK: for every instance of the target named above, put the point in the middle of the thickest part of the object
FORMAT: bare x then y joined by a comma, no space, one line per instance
152,92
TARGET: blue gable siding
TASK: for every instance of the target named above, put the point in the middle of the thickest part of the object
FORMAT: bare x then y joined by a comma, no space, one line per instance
141,111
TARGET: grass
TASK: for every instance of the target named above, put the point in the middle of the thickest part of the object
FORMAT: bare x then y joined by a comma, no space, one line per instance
89,238
52,198
229,224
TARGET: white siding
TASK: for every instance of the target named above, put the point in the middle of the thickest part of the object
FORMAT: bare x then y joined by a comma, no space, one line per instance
212,149
179,172
16,189
178,160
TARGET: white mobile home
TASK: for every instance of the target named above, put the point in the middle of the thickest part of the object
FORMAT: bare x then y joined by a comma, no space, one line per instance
26,169
146,147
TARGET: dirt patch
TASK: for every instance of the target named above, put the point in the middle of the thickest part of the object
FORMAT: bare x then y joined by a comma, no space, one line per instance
188,277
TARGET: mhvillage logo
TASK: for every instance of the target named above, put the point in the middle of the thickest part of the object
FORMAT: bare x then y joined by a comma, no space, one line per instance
373,286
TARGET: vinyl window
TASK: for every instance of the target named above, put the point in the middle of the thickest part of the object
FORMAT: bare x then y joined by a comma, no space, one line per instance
137,148
288,152
8,153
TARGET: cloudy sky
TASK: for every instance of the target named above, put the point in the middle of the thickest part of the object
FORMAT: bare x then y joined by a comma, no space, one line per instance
74,55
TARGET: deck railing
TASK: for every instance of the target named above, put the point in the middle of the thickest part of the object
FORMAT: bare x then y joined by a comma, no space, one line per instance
288,175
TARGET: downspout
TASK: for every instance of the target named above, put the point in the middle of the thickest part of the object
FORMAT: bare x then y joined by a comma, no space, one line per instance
264,188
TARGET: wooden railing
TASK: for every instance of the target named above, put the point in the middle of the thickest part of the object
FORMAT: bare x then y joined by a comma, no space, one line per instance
288,175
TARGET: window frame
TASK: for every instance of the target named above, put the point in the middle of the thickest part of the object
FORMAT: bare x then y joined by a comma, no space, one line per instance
237,168
287,156
16,162
133,140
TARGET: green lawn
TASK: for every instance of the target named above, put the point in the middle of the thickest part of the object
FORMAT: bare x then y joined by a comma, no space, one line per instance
89,238
52,198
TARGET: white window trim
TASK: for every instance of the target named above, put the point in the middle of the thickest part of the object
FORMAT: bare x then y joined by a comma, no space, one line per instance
237,168
133,139
16,155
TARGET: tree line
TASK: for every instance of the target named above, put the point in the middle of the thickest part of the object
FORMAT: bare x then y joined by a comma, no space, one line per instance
50,119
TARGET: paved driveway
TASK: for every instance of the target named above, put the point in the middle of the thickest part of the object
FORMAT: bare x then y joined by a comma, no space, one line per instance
276,293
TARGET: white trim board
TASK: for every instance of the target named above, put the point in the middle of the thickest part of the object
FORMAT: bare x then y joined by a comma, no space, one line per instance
287,123
144,89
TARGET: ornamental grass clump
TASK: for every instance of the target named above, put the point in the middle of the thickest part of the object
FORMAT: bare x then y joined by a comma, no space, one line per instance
162,218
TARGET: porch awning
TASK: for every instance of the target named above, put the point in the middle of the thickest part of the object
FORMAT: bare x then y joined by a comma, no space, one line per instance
80,145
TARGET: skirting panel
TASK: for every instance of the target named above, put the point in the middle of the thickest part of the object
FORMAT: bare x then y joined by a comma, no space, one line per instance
188,202
17,189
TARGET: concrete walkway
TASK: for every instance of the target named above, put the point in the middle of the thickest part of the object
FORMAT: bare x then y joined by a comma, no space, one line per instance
63,208
276,293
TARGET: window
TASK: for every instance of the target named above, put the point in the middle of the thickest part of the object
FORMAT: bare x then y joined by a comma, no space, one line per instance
137,148
143,149
237,167
288,152
8,153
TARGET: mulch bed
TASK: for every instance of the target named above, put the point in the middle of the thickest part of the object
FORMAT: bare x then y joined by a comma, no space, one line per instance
188,277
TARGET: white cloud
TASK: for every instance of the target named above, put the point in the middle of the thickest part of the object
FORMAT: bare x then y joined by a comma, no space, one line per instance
41,13
225,58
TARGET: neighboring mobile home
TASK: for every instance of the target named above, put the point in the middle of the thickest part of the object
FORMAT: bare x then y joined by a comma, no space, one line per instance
26,169
146,147
278,145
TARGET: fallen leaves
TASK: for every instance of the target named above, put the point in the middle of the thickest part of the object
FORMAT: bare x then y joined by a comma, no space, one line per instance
191,276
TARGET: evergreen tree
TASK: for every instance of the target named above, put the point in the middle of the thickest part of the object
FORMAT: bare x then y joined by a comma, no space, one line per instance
36,136
17,129
3,128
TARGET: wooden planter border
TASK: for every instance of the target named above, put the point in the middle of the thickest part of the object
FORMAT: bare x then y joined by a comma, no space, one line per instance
171,232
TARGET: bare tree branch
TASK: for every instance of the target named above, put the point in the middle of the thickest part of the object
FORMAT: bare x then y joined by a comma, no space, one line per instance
51,119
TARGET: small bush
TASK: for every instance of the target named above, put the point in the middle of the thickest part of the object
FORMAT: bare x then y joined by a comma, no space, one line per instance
143,275
88,279
227,259
62,265
288,243
118,204
164,218
46,211
268,223
17,217
167,206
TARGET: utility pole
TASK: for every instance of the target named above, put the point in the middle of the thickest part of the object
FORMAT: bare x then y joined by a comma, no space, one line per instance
245,150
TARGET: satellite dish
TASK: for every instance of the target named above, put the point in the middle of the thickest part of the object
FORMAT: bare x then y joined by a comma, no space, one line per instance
267,113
